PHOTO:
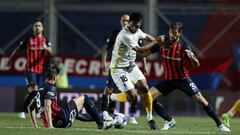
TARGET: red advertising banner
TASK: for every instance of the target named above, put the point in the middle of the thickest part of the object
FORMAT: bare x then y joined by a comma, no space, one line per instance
78,66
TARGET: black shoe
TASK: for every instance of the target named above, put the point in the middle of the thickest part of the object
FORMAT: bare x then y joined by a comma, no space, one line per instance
152,125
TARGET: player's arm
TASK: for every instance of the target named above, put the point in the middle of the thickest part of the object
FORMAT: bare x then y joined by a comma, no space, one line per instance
192,58
48,48
104,55
151,47
21,45
149,38
32,112
48,112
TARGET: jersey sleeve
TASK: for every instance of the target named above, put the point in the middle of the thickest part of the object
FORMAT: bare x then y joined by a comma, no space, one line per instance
142,35
50,93
111,40
48,43
128,41
23,44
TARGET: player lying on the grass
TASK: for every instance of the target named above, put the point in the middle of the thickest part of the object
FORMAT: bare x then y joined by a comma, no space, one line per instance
173,54
228,115
55,116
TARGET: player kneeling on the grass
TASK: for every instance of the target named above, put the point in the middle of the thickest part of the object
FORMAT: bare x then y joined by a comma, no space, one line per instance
55,116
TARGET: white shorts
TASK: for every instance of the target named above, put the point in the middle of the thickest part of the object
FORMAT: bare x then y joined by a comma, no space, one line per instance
125,80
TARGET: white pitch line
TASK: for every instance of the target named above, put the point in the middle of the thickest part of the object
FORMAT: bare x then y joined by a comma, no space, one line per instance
124,130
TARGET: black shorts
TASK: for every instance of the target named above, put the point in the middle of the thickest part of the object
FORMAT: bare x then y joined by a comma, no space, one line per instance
110,83
185,85
33,78
66,116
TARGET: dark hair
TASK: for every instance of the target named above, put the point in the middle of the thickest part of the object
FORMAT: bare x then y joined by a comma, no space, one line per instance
37,20
135,17
51,71
176,26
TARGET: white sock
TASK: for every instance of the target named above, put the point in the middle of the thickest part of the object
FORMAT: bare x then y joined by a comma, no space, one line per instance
113,97
149,117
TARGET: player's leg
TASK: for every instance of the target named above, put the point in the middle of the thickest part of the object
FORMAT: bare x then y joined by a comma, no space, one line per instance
140,82
107,104
88,104
156,91
105,98
189,87
133,110
228,115
31,80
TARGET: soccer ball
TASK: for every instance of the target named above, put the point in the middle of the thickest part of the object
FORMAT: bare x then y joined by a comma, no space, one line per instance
121,120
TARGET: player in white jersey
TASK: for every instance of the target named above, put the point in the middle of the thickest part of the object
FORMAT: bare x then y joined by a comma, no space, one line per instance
123,69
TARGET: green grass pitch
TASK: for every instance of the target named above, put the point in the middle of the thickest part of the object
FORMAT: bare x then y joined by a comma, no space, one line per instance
10,124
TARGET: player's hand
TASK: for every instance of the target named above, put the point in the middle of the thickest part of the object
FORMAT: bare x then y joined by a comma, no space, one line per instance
160,39
45,46
194,61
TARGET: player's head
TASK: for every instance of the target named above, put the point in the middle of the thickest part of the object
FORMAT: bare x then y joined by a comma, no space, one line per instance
175,30
37,27
124,20
135,21
52,72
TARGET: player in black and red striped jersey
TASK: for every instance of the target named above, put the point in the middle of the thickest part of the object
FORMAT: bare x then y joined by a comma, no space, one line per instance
55,116
37,47
173,54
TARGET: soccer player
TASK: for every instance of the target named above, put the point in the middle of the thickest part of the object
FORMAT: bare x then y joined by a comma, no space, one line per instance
37,49
123,69
55,116
173,54
107,105
228,115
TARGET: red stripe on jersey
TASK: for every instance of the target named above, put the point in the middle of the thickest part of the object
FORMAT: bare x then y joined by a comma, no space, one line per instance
55,111
35,58
173,61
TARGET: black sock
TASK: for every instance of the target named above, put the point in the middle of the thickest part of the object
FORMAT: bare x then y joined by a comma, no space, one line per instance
161,111
133,108
111,106
212,113
92,110
29,98
84,117
104,102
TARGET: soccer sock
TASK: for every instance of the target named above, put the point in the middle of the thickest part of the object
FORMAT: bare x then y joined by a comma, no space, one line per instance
161,111
92,110
104,102
111,106
133,108
211,112
235,108
121,97
84,117
147,102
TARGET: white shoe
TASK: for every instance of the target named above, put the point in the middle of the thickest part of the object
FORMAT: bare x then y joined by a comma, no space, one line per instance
168,124
22,115
223,128
108,121
132,120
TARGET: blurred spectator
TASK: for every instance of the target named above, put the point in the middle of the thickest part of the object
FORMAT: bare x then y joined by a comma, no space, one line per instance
62,81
